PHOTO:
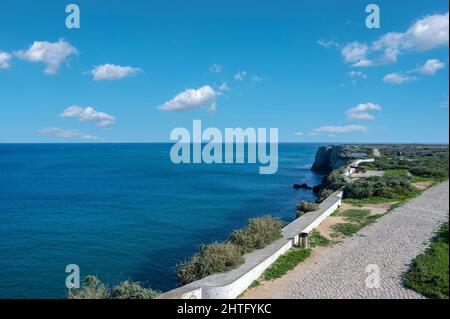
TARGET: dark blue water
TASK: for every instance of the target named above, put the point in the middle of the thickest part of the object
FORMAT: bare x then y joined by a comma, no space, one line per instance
124,211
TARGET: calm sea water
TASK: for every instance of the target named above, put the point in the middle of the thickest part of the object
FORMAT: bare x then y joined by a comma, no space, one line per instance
124,211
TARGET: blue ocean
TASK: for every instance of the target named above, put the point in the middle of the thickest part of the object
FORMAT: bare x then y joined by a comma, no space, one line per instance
125,211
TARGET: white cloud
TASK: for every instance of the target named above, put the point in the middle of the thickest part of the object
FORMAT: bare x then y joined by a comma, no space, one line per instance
445,104
363,116
363,63
431,67
50,53
224,87
216,68
4,60
327,43
425,34
192,99
113,72
398,78
357,74
240,76
428,33
62,133
340,129
306,134
363,107
355,53
257,78
89,114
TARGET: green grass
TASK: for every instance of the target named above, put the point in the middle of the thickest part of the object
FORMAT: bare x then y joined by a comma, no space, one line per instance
395,206
356,219
346,229
355,215
315,238
433,180
381,200
286,262
336,212
255,283
429,272
396,172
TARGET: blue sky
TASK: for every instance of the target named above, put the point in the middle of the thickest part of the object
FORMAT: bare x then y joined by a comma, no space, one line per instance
137,69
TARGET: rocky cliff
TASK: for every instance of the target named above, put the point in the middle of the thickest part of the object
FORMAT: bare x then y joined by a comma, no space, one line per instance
329,158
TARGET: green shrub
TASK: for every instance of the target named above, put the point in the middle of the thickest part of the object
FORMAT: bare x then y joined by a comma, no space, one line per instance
92,288
259,233
386,187
212,258
305,206
132,290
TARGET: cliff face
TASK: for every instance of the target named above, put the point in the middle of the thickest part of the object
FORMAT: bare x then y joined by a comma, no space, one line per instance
329,158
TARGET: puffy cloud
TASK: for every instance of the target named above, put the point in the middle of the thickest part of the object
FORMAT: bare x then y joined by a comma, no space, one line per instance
50,53
224,87
240,76
428,33
445,104
192,99
340,129
363,107
398,78
216,68
363,63
4,60
355,53
113,72
425,34
67,134
431,67
89,114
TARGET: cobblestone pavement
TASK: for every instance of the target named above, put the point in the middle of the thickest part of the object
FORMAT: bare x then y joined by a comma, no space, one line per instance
391,244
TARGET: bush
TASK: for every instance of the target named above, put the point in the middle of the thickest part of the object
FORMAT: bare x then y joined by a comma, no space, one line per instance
92,288
259,233
132,290
386,186
212,258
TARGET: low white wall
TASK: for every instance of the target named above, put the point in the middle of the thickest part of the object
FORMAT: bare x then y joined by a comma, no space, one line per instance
328,212
236,288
